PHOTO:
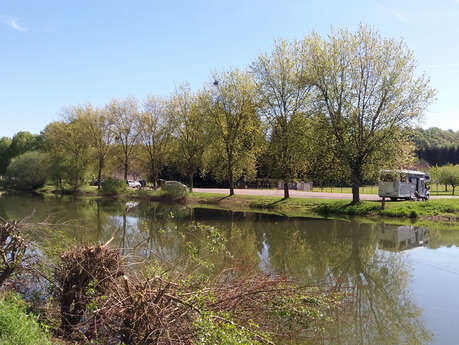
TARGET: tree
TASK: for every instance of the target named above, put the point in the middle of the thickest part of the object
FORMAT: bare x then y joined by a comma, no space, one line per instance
68,143
123,114
283,101
368,91
187,117
235,125
449,175
21,142
28,171
5,143
97,123
155,135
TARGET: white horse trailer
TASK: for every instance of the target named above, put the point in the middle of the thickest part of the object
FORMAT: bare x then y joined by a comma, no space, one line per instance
403,184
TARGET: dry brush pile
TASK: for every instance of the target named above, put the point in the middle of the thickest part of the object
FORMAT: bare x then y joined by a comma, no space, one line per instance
103,299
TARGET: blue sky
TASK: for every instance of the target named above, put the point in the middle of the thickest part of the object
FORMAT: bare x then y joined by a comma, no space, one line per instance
60,53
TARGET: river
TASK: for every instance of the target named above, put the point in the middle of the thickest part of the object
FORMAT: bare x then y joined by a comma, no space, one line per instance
405,276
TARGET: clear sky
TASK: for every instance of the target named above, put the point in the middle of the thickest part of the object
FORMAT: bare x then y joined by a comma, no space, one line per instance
59,53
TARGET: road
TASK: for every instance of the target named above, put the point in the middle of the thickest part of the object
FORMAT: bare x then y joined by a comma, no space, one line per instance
297,193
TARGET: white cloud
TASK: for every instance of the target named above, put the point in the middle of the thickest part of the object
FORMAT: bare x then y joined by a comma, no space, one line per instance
12,22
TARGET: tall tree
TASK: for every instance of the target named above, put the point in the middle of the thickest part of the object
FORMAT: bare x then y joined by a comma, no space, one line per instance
367,88
123,115
67,142
5,143
236,125
155,135
188,119
283,101
97,123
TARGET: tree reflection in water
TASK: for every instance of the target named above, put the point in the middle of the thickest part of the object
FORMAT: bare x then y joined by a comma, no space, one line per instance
308,250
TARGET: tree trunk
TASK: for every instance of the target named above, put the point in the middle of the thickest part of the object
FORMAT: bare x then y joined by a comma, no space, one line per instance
230,179
191,181
154,175
99,175
126,167
355,185
230,171
286,191
453,189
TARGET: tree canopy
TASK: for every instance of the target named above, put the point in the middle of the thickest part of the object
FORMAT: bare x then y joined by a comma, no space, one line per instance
367,93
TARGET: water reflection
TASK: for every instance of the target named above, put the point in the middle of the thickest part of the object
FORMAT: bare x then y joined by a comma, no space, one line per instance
369,257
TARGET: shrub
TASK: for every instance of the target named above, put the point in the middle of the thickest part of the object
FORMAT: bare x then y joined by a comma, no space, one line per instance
16,326
112,185
174,190
28,171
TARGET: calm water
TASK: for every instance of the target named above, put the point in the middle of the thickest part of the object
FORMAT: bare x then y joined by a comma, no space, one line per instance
406,277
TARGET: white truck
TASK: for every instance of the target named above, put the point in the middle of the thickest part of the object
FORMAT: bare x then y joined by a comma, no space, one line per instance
404,184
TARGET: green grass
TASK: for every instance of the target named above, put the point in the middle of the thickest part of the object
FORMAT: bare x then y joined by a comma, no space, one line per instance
299,207
16,326
439,189
435,189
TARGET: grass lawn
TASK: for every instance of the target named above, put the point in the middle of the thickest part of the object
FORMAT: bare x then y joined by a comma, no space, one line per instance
446,208
435,189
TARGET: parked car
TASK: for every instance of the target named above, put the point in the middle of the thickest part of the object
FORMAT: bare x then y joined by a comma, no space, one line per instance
134,184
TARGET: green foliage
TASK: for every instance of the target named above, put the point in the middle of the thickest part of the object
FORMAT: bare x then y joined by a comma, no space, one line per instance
174,190
212,328
435,138
283,100
68,144
155,134
187,115
112,185
16,326
235,127
28,171
368,127
23,142
448,175
4,154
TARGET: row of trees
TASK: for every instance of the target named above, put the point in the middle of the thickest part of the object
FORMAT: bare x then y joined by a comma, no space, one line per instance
446,175
336,106
439,155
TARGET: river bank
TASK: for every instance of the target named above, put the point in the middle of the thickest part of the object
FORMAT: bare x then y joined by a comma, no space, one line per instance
444,210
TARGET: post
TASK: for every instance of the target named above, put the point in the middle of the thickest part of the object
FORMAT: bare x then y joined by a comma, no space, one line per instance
383,202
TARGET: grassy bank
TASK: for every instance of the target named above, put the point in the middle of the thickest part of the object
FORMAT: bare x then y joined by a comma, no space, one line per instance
17,327
445,209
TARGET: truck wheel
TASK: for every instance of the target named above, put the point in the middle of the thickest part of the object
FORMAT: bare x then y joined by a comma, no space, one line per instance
393,199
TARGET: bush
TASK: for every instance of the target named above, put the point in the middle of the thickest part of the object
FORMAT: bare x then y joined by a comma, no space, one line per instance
28,171
112,185
16,326
174,190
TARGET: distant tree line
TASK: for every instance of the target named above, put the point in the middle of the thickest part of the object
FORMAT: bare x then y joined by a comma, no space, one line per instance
437,146
333,109
439,155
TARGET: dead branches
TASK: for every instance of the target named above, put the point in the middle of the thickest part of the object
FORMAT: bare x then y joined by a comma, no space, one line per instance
84,275
12,249
101,301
